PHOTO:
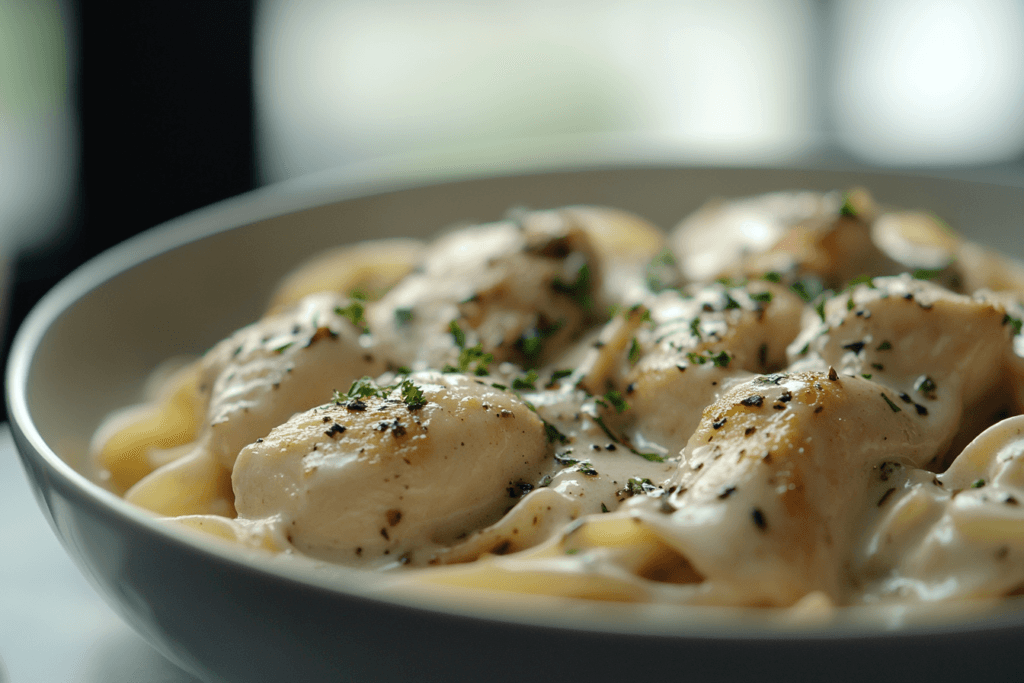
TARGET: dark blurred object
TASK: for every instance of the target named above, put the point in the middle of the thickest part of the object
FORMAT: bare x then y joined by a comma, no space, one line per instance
164,99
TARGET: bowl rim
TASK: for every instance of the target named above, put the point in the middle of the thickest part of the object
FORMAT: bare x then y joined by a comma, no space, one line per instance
362,181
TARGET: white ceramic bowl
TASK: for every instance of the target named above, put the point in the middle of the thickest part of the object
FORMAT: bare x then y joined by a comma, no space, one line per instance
227,614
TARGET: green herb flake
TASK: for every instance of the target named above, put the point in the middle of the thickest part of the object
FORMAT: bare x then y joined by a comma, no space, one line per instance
926,386
412,395
886,345
553,434
556,377
502,387
531,342
586,468
848,209
527,382
866,375
1015,323
819,308
579,289
604,508
927,273
719,360
473,359
284,347
564,459
617,401
895,408
772,276
763,297
653,457
457,334
354,313
636,486
634,352
403,316
660,273
978,484
695,329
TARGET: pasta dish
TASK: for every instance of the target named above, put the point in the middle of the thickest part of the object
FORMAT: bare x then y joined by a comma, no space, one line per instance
792,397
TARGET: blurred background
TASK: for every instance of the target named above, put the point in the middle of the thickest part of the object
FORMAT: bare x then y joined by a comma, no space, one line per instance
114,118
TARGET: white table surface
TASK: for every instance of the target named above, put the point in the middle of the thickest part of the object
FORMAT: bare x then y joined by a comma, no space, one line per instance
53,625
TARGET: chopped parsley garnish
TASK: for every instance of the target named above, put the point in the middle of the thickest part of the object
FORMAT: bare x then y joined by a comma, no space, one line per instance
719,360
364,387
403,316
564,459
634,352
1015,323
579,289
763,297
895,408
475,359
978,483
926,386
927,273
457,334
553,434
354,313
616,400
604,508
526,382
695,329
283,347
807,289
772,276
660,273
412,394
586,468
848,209
635,486
886,345
531,342
556,377
819,308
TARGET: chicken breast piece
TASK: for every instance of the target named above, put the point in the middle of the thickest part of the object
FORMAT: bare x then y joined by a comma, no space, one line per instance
391,475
